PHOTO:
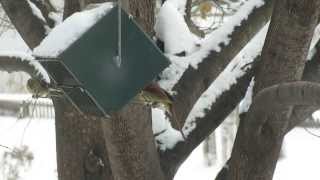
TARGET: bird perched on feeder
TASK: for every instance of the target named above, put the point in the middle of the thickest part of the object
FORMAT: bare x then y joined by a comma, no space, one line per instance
157,97
39,88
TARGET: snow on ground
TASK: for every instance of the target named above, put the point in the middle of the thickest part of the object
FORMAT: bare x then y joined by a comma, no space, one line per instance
39,136
301,160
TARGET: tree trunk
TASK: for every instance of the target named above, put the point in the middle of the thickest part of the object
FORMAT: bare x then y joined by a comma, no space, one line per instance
81,147
124,144
258,145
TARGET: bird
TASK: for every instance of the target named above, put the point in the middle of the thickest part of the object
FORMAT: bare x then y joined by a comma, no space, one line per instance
157,97
40,89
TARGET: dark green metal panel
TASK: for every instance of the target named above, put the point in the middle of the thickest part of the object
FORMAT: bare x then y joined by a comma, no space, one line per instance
90,61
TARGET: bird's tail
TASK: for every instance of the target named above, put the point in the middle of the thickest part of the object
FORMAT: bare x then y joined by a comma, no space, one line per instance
172,113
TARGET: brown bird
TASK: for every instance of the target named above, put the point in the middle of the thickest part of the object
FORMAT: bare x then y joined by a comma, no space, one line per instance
157,97
39,88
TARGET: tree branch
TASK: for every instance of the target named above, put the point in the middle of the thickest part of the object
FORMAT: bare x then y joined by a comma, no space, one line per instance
45,12
70,7
311,73
195,81
270,99
171,159
260,135
16,64
27,24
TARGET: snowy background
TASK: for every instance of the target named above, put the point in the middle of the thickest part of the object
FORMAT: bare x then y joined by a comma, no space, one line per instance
299,155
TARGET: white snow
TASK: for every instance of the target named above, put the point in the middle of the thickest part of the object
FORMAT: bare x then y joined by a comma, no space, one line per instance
212,43
63,35
226,79
36,11
168,136
31,60
171,28
57,4
314,41
39,136
247,100
301,160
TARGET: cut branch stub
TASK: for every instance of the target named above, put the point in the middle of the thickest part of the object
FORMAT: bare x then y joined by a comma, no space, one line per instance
283,95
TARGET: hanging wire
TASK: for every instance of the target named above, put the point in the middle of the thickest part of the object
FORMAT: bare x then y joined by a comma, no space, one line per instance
311,133
119,59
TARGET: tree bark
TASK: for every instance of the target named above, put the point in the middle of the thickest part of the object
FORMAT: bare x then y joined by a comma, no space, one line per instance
259,138
70,7
30,27
81,151
195,81
129,137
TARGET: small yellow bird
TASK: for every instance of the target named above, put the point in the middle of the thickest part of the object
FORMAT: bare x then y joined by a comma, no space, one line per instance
157,97
39,88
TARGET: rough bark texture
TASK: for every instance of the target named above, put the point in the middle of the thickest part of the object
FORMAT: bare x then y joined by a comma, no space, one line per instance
70,7
45,12
258,142
143,12
130,144
311,73
30,28
129,137
81,151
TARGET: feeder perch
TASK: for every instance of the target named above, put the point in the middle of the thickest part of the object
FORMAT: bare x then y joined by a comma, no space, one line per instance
88,73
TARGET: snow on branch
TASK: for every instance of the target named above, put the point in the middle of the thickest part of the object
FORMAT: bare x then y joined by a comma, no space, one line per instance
18,61
226,79
27,24
213,42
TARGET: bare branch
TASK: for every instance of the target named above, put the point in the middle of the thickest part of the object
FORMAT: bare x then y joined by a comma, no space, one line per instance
270,99
29,26
311,73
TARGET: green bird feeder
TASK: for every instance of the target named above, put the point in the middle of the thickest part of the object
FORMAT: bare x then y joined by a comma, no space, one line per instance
88,70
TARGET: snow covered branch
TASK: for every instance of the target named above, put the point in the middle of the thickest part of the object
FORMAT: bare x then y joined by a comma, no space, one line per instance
195,81
222,107
45,11
14,62
25,21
